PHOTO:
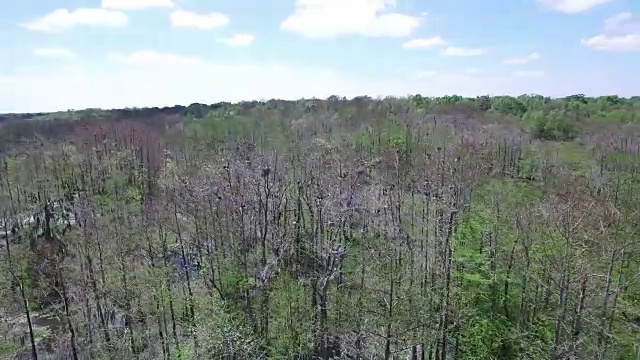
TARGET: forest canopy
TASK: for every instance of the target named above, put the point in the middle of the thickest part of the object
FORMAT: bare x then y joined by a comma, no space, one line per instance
422,228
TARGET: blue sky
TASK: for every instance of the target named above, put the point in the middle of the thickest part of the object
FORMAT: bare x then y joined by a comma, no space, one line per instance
72,54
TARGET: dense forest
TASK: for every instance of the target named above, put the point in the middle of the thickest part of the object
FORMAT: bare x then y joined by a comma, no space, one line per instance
398,228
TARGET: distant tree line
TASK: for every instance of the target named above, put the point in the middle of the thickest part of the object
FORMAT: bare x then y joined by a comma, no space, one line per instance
544,112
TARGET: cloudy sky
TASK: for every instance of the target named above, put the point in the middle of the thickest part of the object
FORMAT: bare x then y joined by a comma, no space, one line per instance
72,54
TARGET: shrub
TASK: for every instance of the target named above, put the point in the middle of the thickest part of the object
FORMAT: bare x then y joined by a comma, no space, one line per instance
554,125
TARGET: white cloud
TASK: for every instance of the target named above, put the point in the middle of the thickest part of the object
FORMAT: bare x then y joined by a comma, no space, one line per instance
528,74
183,18
151,57
136,4
465,83
423,43
54,53
238,40
601,42
6,85
612,22
468,74
620,34
461,51
332,18
620,23
150,78
63,19
427,74
572,6
517,60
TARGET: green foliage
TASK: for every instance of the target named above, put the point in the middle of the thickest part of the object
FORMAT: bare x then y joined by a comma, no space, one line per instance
292,316
486,331
554,125
508,105
528,167
7,348
219,126
233,283
363,141
221,331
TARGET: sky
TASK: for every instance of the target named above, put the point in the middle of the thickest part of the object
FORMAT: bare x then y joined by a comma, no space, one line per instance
76,54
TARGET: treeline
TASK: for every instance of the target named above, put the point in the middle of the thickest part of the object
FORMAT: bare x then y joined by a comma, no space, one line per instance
533,109
320,229
197,110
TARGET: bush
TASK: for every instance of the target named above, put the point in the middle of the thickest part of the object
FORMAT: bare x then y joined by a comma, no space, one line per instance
555,125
